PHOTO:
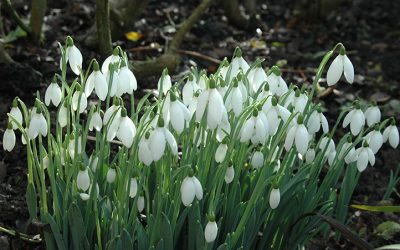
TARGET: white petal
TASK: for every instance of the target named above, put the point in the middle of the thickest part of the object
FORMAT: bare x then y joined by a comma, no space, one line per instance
100,85
348,69
215,109
145,155
126,131
257,160
301,139
211,231
201,105
310,155
335,71
9,140
324,122
95,122
187,191
133,188
313,123
357,122
140,204
371,156
16,113
177,117
237,101
247,130
220,153
260,131
89,86
171,141
229,174
75,59
63,116
84,196
198,188
274,198
362,160
111,174
290,138
348,118
394,136
83,180
157,144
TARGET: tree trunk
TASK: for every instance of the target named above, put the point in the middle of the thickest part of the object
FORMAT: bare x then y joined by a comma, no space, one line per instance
234,15
103,27
38,10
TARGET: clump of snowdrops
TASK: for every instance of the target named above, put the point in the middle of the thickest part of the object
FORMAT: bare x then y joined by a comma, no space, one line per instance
227,160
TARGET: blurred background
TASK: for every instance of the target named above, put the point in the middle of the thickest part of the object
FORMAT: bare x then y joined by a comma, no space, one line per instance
181,34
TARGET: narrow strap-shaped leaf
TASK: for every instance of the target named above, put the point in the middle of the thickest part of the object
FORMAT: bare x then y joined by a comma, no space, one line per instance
385,209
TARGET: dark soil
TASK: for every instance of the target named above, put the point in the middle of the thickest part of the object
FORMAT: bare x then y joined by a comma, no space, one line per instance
369,29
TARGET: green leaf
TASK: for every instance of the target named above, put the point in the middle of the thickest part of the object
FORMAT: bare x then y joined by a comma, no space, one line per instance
385,209
77,228
126,240
166,232
387,229
389,247
31,200
55,231
14,35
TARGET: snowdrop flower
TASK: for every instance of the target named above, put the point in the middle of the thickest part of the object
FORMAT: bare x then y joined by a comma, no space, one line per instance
316,121
53,93
202,80
298,100
111,119
356,119
113,82
257,77
327,143
391,133
111,174
211,230
133,188
74,56
257,159
175,111
274,113
46,162
372,115
79,98
140,203
265,93
127,79
193,104
220,153
276,83
189,90
310,155
144,153
126,129
234,100
71,145
159,137
9,138
16,114
86,196
93,162
83,179
374,139
298,135
224,128
98,82
340,65
190,188
62,117
223,70
112,59
364,155
38,124
274,198
351,154
212,100
164,83
238,63
229,174
254,129
95,122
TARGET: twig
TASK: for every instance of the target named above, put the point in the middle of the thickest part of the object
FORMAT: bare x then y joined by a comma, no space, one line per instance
17,18
199,55
22,236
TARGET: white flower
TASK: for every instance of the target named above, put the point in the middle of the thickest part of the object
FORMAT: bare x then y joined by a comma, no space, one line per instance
356,120
327,143
315,121
211,231
111,174
364,155
127,78
112,118
71,145
126,129
84,196
164,82
274,113
341,64
93,162
257,159
16,114
175,111
212,100
159,138
97,81
310,155
255,129
298,100
391,133
299,135
221,152
9,138
95,122
238,63
74,57
37,125
372,115
53,94
133,188
140,203
331,158
224,128
79,97
144,153
274,198
235,100
113,83
62,117
46,162
276,83
375,140
114,58
257,77
202,80
83,180
189,90
190,188
351,155
229,174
